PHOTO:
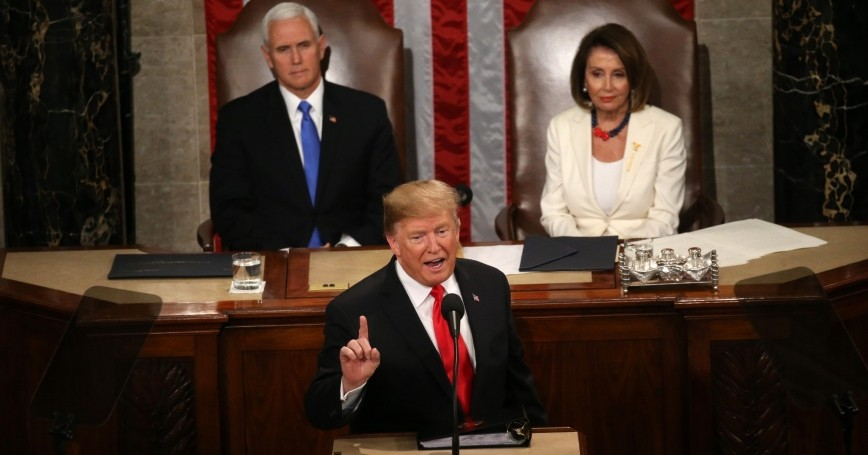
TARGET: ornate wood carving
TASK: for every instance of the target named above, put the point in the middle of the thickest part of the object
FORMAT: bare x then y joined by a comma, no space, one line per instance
748,400
156,412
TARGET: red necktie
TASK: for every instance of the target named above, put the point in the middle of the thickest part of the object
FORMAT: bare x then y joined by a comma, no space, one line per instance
447,352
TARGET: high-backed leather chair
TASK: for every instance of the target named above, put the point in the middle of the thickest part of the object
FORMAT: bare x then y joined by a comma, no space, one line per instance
540,56
363,52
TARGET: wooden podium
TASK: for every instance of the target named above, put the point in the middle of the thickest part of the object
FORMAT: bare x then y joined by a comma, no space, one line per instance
654,364
548,441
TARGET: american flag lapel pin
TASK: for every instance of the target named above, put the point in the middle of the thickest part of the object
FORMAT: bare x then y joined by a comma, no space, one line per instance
475,297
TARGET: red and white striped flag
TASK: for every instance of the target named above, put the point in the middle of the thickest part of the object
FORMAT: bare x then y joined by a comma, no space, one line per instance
459,99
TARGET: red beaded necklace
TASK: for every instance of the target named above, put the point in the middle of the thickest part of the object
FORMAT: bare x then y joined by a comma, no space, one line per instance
606,135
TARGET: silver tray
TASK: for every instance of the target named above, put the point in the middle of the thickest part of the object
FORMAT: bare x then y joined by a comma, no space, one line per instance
711,278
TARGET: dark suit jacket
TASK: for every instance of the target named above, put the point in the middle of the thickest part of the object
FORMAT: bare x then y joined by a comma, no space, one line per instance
410,391
258,192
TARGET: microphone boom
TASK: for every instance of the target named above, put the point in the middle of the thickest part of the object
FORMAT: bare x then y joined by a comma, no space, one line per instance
452,310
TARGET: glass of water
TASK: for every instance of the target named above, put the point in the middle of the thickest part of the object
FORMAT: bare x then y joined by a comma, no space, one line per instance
247,270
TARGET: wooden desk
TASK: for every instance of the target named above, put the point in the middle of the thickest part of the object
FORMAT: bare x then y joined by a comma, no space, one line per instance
545,441
640,374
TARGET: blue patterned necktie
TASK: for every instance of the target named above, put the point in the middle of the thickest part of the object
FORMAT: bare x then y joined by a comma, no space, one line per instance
310,150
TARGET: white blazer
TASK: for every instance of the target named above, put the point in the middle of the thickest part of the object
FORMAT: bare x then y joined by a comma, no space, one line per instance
651,189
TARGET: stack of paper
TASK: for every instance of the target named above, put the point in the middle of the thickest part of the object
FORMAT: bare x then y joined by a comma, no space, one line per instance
739,241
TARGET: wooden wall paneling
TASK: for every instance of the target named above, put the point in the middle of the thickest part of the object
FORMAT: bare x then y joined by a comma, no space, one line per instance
737,399
616,378
173,390
28,342
266,371
156,412
178,362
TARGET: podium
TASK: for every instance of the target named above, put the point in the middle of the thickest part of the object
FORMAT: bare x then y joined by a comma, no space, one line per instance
241,363
548,441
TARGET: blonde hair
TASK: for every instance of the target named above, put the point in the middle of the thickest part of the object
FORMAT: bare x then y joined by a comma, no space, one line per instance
418,199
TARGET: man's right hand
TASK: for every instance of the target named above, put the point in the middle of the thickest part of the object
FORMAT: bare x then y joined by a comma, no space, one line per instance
358,359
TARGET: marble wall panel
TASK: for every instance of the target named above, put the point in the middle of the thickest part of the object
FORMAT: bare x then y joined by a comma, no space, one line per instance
2,216
821,111
61,138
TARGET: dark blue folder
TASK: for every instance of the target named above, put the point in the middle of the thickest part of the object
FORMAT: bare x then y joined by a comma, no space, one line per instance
568,253
182,265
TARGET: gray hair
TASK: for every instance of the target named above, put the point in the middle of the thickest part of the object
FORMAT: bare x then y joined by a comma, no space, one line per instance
288,10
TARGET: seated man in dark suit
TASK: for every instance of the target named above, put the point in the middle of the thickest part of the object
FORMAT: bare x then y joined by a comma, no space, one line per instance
301,162
380,369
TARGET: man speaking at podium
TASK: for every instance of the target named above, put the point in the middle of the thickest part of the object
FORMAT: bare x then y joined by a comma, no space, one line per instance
382,369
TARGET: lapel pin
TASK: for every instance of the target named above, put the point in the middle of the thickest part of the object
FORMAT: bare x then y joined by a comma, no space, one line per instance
333,119
475,297
636,147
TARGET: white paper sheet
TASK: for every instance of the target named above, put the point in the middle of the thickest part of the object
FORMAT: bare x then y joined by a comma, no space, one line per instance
505,258
739,241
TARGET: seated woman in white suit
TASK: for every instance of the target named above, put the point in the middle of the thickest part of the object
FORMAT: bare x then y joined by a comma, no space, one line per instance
614,164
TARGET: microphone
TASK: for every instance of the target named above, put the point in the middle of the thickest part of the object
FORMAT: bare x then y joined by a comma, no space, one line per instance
465,194
452,309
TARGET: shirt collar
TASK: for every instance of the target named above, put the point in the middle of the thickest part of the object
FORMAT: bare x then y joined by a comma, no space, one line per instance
315,99
418,292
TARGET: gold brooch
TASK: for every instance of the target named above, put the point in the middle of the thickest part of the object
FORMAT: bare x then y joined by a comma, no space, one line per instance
636,147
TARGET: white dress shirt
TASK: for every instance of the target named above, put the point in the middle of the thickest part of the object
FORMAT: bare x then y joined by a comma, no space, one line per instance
295,114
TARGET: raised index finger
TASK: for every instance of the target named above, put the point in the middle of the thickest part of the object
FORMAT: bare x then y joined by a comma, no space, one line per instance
363,327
